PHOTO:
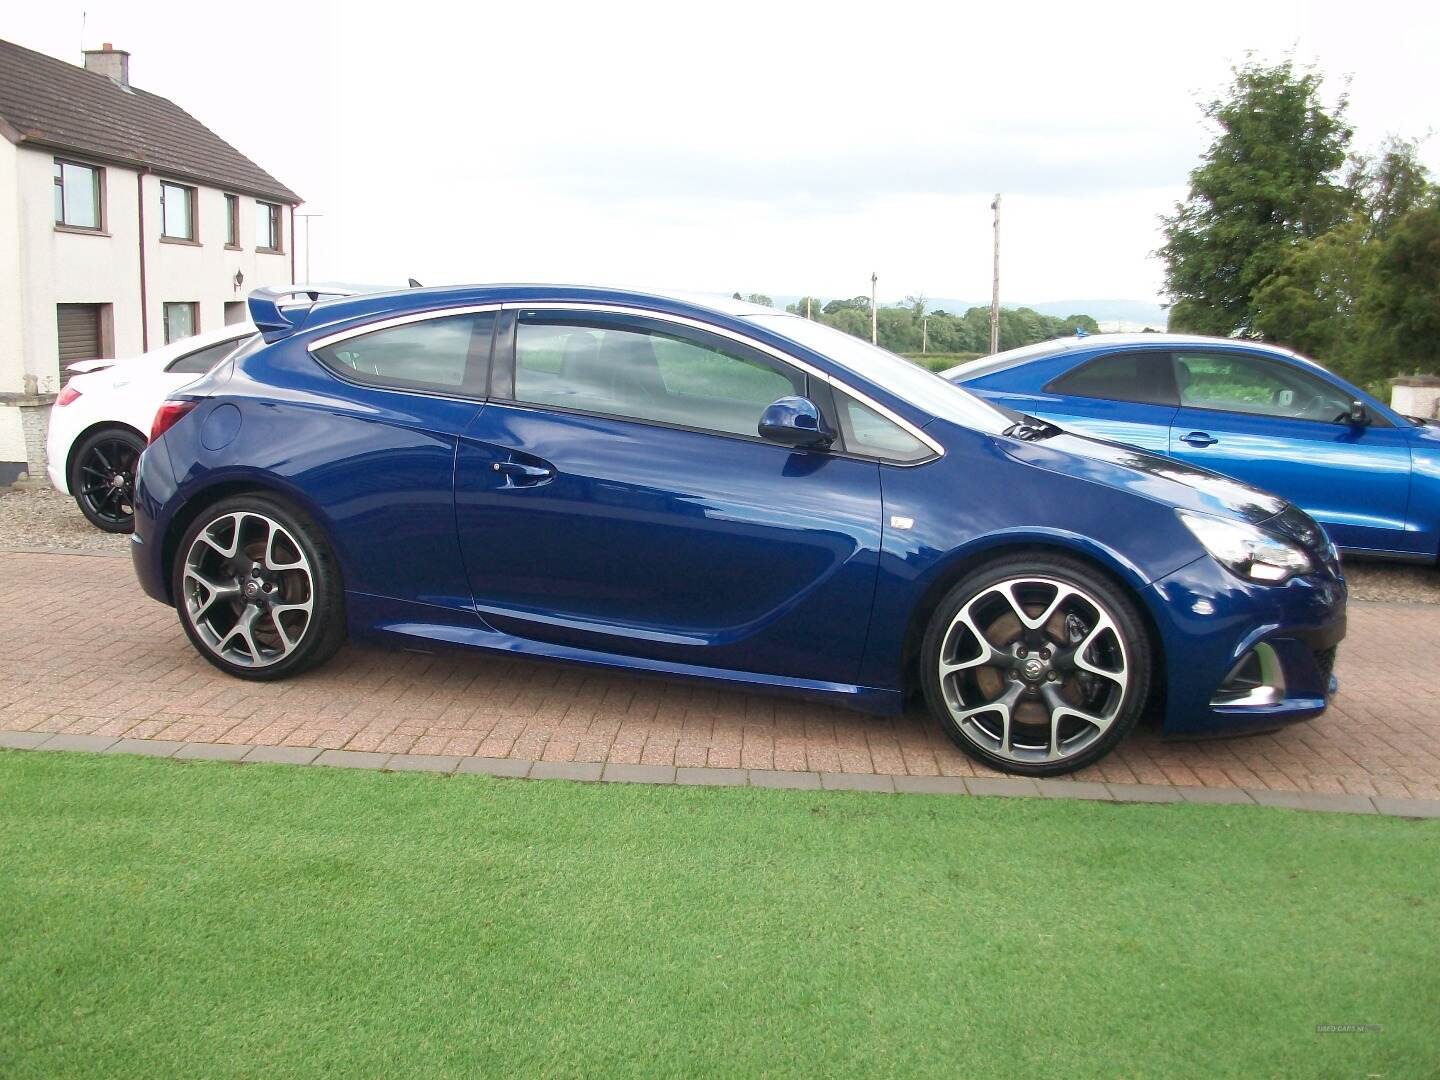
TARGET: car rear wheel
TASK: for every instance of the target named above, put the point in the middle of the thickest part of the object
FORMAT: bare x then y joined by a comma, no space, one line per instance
1036,666
102,478
258,590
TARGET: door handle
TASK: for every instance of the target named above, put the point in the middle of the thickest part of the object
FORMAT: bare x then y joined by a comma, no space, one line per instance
519,474
1199,438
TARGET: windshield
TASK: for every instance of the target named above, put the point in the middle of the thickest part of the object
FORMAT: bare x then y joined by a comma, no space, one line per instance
921,388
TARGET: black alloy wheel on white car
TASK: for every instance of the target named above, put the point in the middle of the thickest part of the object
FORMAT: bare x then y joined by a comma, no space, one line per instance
102,477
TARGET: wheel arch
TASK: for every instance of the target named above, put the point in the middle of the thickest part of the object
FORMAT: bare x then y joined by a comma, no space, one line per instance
227,487
1121,573
92,429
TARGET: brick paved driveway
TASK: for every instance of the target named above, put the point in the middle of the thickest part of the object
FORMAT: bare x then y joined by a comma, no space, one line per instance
83,651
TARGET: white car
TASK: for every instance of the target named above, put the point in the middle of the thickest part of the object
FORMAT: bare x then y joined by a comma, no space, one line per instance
101,421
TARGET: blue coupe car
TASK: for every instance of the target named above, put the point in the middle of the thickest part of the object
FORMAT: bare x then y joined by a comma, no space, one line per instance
723,492
1261,414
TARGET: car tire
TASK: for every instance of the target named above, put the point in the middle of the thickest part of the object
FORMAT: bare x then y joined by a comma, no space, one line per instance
258,589
1036,665
102,477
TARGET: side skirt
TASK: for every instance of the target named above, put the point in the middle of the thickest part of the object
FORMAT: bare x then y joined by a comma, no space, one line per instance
416,626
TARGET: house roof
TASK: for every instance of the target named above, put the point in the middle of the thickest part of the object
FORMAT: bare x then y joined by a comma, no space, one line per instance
47,102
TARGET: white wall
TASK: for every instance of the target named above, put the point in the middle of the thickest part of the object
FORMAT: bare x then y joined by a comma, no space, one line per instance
58,267
180,272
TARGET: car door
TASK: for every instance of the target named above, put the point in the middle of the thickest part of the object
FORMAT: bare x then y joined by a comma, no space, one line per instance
1281,427
614,495
1126,396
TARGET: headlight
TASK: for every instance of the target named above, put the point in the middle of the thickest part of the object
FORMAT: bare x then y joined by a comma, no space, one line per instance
1246,551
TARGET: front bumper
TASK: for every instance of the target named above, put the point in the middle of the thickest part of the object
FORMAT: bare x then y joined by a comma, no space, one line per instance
1211,623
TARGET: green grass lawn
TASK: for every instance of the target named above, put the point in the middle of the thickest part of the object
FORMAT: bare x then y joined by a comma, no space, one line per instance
166,919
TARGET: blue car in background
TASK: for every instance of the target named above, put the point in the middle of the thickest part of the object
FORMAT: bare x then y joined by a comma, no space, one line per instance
723,492
1255,412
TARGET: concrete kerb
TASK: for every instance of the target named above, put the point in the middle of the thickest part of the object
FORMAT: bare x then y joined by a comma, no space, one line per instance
588,772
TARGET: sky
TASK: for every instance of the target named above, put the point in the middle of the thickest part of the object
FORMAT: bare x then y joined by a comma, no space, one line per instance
782,148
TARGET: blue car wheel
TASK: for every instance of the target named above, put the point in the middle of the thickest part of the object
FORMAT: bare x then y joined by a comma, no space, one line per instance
258,590
1036,666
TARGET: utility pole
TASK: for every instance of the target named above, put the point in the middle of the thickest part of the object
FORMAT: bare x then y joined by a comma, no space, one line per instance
995,286
924,334
874,315
307,216
807,307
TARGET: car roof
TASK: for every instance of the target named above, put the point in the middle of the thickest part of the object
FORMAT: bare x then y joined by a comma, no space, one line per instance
1046,350
398,301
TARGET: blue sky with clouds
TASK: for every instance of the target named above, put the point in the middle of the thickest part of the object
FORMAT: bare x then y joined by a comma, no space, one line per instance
774,147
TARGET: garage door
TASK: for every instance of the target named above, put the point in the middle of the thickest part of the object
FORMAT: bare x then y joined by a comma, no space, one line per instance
79,326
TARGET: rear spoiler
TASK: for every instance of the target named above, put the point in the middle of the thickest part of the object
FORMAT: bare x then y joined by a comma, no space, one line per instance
278,312
82,367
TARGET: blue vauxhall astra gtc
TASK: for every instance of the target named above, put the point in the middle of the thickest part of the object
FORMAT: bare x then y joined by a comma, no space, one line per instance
1261,414
723,492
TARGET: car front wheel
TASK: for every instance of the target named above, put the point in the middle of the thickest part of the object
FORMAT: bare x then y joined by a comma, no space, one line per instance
258,590
1036,666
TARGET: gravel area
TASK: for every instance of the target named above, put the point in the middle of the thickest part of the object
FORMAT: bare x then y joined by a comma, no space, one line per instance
42,517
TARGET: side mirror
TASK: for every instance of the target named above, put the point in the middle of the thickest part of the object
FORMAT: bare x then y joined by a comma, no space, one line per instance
795,421
1359,415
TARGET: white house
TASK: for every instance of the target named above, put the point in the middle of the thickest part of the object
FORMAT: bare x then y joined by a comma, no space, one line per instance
125,223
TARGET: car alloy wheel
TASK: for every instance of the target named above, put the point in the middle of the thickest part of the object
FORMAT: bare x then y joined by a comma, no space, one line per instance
1038,675
248,590
104,479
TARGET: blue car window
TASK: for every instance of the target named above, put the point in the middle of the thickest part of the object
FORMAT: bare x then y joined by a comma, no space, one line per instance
645,374
1142,376
449,354
868,434
1237,382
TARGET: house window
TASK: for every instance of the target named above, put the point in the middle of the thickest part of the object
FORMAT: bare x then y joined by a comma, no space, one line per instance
78,202
235,312
182,319
267,227
232,221
177,207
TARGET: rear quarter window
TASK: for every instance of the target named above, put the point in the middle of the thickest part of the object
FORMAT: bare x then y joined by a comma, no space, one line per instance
1142,377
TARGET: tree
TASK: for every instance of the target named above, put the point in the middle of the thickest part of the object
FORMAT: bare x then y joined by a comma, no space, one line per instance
816,306
1269,180
855,303
1390,184
760,298
1311,302
1400,306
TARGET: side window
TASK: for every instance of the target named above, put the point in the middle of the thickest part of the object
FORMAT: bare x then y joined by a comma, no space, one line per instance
202,360
1142,377
646,373
450,354
1235,382
868,434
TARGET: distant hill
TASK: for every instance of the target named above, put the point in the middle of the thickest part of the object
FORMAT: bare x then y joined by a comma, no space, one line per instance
1130,314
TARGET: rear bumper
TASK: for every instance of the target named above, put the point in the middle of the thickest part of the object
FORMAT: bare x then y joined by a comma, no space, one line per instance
154,486
1210,622
57,453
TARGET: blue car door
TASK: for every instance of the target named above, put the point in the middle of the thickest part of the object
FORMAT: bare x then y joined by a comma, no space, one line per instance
614,496
1126,396
1282,427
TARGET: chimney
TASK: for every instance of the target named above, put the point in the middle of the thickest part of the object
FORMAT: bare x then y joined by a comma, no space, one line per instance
111,62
